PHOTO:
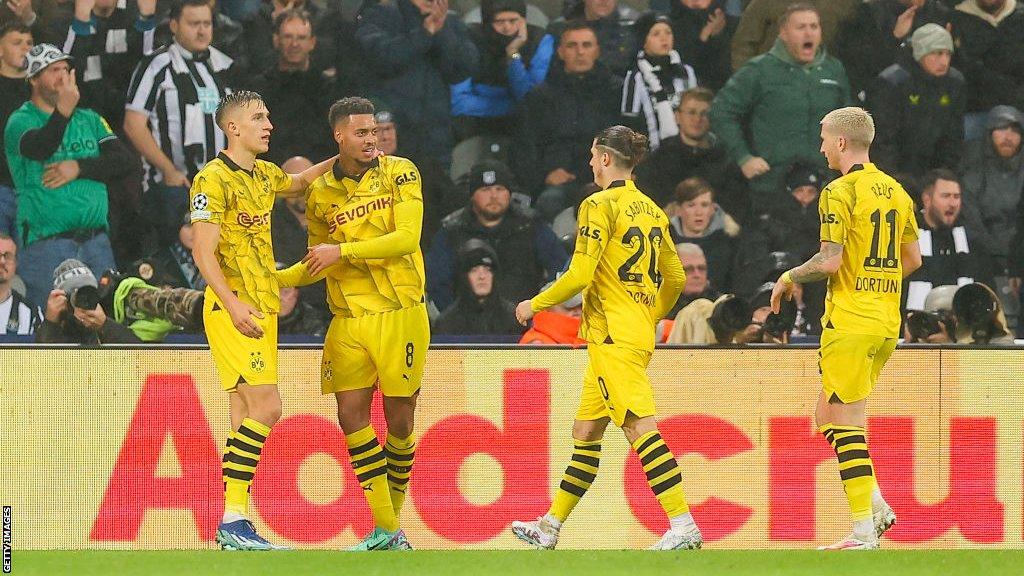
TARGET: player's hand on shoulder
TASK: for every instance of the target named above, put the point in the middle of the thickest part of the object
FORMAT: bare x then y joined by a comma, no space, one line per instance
524,312
321,256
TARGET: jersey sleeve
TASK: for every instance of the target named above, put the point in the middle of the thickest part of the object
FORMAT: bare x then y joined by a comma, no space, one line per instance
207,198
101,129
406,179
910,230
280,181
595,228
835,213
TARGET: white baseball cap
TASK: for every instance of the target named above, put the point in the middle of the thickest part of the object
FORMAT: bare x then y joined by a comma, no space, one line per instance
41,56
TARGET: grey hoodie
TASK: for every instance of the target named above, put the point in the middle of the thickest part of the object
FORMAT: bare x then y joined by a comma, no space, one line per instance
992,185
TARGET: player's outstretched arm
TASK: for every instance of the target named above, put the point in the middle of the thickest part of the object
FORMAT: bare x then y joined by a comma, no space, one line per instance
819,267
204,247
303,179
297,275
570,283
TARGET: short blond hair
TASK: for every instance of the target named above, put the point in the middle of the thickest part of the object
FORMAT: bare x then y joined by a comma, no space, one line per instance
853,123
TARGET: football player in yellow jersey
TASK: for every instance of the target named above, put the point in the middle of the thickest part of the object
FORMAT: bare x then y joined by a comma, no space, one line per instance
231,200
868,245
365,218
630,276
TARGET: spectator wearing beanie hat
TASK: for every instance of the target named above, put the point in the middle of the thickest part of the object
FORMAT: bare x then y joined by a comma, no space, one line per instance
479,308
514,57
73,313
918,105
529,251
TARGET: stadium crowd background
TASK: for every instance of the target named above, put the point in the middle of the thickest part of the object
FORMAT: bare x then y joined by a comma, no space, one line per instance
497,103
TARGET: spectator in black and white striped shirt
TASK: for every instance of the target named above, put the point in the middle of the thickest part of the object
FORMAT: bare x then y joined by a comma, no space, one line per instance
16,315
107,45
169,115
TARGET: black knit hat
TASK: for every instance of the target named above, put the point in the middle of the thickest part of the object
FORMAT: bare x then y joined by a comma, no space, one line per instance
489,8
476,252
646,21
800,175
489,173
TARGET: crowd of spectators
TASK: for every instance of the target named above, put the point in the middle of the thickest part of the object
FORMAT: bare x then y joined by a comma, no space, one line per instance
107,109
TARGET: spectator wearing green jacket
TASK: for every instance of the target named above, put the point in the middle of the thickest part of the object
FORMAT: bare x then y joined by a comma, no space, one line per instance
768,113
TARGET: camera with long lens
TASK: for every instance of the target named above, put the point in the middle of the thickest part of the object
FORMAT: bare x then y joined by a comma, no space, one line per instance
84,297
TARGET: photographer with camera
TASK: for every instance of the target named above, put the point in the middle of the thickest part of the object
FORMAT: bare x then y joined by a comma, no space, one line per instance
935,322
979,316
73,313
765,326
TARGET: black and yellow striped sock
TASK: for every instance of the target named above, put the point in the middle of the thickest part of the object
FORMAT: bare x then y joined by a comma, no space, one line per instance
400,452
829,434
241,456
663,475
579,475
368,462
855,469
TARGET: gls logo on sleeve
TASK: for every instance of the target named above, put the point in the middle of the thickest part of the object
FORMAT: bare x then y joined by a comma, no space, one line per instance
829,219
405,178
588,232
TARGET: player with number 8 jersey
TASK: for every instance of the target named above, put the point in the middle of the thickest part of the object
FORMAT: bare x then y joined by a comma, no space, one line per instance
627,268
365,218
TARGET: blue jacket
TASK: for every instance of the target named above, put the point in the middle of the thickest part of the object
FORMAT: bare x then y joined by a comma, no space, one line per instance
472,98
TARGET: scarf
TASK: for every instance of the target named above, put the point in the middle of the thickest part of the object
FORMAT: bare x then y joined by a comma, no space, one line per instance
665,79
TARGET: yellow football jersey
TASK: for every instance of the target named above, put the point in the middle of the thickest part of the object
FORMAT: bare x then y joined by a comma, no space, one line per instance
341,210
241,202
871,215
628,235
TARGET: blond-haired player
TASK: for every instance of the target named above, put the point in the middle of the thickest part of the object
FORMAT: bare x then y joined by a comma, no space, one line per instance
630,275
231,200
868,245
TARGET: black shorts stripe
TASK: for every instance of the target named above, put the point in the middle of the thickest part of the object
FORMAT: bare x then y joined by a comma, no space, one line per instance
587,477
399,457
572,488
588,460
252,434
379,456
653,455
852,455
668,483
661,469
238,475
397,480
238,459
855,472
648,442
855,439
591,447
362,448
244,447
365,476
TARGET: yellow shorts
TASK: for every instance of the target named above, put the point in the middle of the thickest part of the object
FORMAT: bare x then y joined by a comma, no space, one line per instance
237,357
389,349
616,383
850,364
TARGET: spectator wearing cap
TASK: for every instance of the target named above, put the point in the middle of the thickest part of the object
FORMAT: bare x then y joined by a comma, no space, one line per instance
990,51
611,21
529,252
15,42
734,256
948,255
559,324
697,283
108,41
696,151
17,316
440,195
702,32
297,94
792,224
768,114
414,50
479,308
514,58
61,157
73,313
992,176
918,105
765,326
935,323
654,85
559,119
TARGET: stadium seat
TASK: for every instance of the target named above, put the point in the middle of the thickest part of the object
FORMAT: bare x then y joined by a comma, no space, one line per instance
470,151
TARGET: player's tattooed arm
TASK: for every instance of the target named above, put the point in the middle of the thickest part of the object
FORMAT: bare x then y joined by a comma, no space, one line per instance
819,266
